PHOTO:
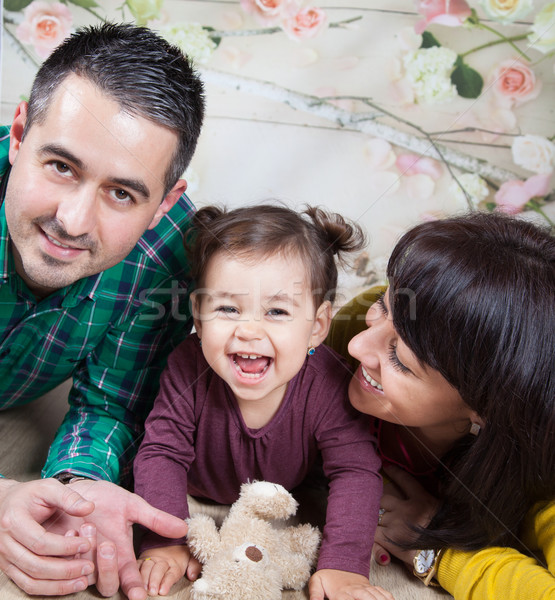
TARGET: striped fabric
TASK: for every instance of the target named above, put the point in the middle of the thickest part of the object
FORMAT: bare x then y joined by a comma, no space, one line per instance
111,332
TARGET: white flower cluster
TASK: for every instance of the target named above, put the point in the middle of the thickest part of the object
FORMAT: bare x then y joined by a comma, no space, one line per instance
428,70
192,39
534,152
474,186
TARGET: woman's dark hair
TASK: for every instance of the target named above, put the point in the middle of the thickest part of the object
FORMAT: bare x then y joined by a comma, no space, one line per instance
255,232
474,298
139,70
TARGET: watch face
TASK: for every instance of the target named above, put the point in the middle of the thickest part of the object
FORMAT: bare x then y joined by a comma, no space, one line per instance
424,561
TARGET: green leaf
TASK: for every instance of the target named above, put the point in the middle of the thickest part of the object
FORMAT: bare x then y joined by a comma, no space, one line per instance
84,3
428,40
215,39
469,83
16,4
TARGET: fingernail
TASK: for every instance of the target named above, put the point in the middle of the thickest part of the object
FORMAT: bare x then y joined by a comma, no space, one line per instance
384,558
83,548
79,586
87,569
87,530
107,551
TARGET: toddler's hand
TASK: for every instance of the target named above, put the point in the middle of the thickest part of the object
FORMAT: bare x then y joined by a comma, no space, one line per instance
342,585
162,567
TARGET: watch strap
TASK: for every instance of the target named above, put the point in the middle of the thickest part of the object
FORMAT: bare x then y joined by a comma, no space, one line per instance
66,477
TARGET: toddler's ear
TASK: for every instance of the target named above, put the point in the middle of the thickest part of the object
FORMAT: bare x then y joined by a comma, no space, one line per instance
322,323
195,309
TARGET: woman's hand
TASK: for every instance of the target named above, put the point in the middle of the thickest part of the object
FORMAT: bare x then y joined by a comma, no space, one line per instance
403,504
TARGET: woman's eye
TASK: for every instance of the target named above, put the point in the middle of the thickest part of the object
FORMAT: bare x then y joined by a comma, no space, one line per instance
277,312
395,360
380,302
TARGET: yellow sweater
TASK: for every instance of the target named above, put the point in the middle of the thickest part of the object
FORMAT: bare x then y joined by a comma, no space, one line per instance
492,573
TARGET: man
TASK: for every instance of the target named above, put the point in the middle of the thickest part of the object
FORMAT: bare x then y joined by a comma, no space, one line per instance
93,285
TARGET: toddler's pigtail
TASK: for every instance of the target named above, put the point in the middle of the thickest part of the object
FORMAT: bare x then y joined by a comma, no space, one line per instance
341,236
199,237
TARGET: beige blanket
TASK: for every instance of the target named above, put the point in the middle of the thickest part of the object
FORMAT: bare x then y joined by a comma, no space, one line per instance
26,433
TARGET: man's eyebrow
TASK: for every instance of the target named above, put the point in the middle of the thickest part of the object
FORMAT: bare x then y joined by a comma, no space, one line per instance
134,184
62,152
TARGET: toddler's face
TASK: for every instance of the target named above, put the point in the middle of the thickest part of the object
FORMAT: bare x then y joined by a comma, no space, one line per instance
256,319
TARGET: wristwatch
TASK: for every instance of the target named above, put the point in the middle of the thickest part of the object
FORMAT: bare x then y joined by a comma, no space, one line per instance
425,565
65,477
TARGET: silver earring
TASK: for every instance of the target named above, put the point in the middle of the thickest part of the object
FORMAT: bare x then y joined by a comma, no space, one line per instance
475,429
311,351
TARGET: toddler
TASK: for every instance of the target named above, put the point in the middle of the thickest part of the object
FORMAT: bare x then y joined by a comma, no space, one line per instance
252,395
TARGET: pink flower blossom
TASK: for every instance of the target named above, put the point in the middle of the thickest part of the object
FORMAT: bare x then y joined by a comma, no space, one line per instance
307,23
443,12
45,26
411,164
514,81
512,196
268,12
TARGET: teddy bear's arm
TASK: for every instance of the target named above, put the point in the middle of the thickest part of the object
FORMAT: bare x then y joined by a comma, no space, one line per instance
203,537
300,545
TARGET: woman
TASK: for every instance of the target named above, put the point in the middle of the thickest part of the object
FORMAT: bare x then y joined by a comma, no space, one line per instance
457,364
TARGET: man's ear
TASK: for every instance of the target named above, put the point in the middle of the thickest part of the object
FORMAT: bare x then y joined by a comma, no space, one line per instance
16,130
322,324
168,202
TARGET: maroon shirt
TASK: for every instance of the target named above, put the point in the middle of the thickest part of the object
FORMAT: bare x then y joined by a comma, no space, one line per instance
196,442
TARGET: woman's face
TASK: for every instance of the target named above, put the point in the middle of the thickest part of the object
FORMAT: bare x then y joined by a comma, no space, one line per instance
392,385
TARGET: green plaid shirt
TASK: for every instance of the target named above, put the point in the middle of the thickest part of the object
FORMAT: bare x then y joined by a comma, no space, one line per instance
111,332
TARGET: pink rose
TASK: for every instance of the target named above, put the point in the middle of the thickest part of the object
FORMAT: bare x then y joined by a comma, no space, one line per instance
515,81
45,26
512,196
443,12
411,164
268,11
306,24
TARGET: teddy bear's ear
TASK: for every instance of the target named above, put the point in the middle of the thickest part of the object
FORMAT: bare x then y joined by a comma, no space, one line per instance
203,538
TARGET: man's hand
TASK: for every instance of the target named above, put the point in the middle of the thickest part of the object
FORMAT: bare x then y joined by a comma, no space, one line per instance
34,557
342,585
115,512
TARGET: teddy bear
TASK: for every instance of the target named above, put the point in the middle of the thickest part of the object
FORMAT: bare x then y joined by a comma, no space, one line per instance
251,558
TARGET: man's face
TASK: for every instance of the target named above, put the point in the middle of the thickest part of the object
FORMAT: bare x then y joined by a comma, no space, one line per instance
85,185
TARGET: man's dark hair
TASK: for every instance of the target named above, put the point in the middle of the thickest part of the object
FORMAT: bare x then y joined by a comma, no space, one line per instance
139,70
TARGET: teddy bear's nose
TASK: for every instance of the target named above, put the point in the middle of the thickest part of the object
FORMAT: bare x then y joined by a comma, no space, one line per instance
253,553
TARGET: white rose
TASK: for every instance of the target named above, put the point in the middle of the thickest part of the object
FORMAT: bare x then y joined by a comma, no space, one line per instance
534,152
474,186
542,37
507,11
